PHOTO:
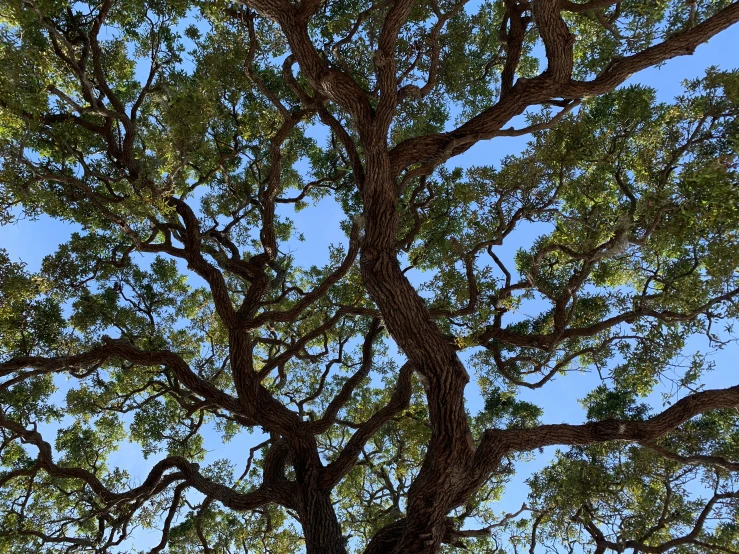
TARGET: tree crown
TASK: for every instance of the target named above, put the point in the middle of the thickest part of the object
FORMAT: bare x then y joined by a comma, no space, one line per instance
182,139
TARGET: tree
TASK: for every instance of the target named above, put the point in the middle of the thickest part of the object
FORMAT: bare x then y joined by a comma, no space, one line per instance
178,136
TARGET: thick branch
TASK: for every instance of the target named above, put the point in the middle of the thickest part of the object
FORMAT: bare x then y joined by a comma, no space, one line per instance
557,39
111,349
574,7
681,44
435,149
187,472
518,440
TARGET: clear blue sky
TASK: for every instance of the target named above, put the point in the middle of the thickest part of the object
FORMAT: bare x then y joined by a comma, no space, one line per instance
30,241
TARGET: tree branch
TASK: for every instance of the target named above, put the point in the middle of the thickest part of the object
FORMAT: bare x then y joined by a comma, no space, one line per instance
119,348
520,440
432,150
337,469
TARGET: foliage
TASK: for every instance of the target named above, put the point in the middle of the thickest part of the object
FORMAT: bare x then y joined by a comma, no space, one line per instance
183,140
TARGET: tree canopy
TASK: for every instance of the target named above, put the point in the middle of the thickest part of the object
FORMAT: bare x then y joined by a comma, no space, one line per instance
180,137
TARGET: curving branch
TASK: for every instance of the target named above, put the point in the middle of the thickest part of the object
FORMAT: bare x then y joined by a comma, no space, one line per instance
432,150
696,460
557,40
347,458
315,294
690,538
156,481
496,442
344,395
122,349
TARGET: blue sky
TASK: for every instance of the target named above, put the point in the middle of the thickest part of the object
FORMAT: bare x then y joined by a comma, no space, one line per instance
30,241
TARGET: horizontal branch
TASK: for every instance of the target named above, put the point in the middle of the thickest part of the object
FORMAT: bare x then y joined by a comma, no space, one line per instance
122,349
697,460
497,442
156,480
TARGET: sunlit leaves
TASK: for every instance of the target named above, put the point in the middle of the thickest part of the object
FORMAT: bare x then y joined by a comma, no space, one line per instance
30,321
179,139
505,410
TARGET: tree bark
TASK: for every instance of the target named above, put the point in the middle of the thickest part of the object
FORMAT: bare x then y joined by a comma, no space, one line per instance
321,527
437,488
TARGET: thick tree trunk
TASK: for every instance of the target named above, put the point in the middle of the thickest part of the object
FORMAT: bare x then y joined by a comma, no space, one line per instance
437,488
320,526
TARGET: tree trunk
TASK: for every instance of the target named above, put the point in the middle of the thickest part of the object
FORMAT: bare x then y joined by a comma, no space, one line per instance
321,528
437,489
